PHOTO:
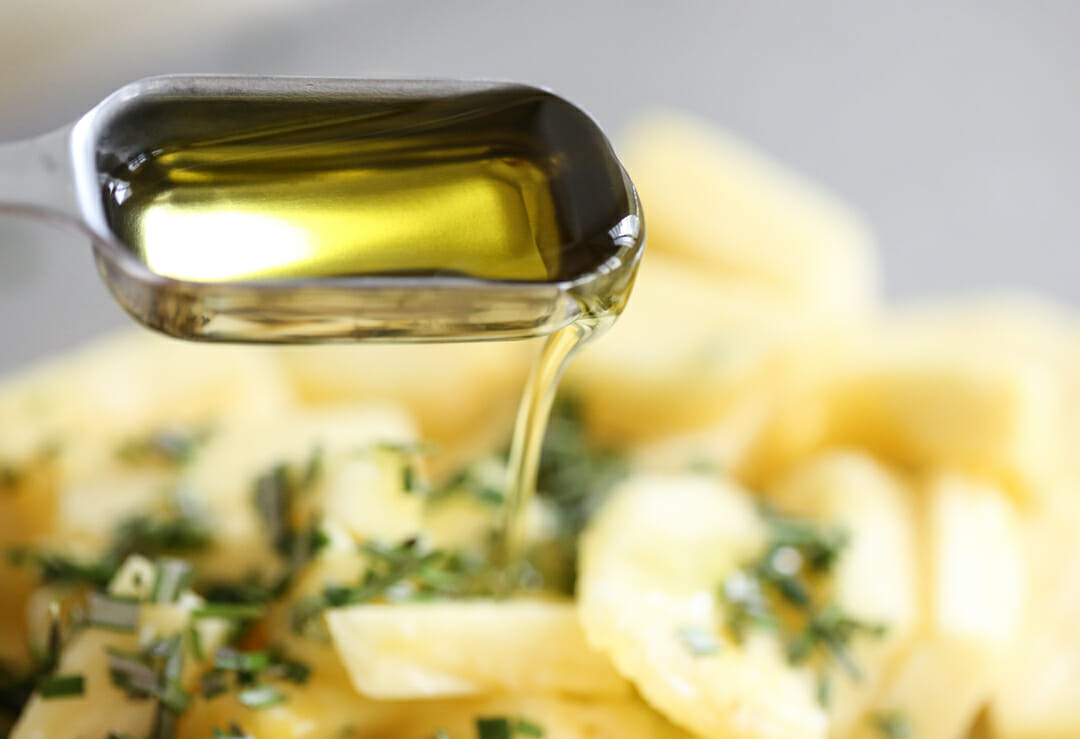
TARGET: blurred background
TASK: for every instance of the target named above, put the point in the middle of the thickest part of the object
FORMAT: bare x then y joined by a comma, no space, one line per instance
953,126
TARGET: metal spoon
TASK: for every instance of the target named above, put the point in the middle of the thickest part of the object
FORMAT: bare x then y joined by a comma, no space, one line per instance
65,176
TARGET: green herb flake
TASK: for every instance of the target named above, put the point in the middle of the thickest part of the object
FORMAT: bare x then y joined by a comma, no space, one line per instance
784,578
502,727
61,686
893,725
261,696
525,727
233,732
170,447
234,660
171,577
112,613
698,641
493,728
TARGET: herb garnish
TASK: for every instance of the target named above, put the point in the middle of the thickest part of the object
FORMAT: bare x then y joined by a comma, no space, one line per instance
407,571
776,591
153,672
170,447
61,686
248,673
233,732
501,727
893,725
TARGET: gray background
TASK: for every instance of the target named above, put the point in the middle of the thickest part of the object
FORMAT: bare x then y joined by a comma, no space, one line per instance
952,125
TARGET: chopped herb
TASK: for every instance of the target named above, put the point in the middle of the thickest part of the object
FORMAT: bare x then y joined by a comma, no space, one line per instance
698,641
62,569
528,728
110,612
237,661
893,725
261,696
172,447
152,672
178,530
278,493
783,579
233,732
407,571
493,728
61,686
241,670
501,727
171,576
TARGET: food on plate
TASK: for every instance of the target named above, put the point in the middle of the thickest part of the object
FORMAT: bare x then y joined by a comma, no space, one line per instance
769,506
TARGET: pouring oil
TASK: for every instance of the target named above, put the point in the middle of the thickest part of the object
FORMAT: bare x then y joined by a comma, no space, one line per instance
467,193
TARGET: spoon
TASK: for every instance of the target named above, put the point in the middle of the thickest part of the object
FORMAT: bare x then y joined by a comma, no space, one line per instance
296,210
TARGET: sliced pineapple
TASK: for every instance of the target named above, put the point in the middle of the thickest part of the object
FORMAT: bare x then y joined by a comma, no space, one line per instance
430,650
917,405
103,706
974,588
133,383
1039,697
353,483
565,718
723,207
689,348
463,396
651,563
875,579
326,709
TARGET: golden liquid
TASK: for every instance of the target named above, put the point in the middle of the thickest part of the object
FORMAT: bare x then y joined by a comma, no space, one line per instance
317,195
487,217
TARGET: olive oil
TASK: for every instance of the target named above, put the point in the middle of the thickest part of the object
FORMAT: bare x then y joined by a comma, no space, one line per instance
497,212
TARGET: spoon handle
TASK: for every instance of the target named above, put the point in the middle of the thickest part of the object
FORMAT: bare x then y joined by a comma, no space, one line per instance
36,179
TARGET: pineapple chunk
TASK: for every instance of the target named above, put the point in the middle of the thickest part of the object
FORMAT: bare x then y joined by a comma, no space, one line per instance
875,579
357,486
444,649
326,709
132,383
650,564
721,206
560,718
923,408
689,348
975,590
104,707
462,396
1040,695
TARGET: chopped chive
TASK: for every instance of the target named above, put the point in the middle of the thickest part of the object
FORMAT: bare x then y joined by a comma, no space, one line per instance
526,727
129,672
893,725
61,686
260,696
111,612
495,727
171,576
232,659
